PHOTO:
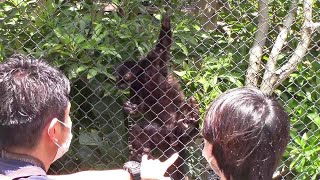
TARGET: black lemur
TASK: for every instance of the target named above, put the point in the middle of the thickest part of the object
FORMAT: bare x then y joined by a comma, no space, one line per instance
169,120
154,92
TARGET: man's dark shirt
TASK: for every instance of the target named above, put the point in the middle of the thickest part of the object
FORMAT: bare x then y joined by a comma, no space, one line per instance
21,168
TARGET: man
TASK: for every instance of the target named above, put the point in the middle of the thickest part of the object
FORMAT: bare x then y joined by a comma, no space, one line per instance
35,126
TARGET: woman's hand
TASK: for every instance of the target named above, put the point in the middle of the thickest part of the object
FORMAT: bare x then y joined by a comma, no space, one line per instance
155,169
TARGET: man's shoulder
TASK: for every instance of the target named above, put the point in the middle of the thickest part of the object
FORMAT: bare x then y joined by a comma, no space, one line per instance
16,169
35,178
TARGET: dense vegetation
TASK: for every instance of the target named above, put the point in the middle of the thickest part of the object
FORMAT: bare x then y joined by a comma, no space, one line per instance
86,42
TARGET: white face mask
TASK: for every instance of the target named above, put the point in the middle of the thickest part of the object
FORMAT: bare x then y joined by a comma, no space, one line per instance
64,147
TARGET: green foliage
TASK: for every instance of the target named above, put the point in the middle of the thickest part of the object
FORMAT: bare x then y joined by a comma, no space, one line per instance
301,96
86,43
211,79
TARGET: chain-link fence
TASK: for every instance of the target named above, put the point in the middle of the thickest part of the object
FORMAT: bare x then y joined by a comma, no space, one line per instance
217,45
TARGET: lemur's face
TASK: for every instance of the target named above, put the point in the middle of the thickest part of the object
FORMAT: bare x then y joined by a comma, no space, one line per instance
125,74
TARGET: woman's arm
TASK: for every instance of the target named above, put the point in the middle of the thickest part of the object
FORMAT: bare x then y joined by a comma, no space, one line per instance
96,175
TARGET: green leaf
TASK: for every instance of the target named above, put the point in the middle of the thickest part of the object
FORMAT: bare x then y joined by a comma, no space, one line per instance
315,118
295,161
79,39
81,69
98,29
196,27
184,48
233,79
62,36
98,35
305,136
180,73
92,73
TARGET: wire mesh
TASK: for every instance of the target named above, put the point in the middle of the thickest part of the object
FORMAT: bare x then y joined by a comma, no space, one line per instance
213,41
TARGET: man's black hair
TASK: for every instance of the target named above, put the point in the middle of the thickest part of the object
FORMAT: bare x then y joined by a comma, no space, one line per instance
31,93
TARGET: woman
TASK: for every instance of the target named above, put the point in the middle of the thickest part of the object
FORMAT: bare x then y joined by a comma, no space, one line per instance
245,134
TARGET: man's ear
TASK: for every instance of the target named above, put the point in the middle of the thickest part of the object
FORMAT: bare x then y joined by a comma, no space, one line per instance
52,129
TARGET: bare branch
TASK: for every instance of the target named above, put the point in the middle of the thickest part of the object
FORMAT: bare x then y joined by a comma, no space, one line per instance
256,50
270,68
307,30
315,25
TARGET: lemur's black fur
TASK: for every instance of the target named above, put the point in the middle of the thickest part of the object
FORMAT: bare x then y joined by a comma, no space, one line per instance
170,120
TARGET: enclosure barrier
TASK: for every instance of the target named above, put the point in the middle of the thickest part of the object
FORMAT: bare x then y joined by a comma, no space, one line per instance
216,45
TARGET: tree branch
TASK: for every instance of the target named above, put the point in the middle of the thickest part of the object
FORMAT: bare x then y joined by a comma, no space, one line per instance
308,28
256,50
315,25
270,68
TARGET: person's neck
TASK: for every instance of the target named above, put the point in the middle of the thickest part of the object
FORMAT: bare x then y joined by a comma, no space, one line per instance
222,177
36,153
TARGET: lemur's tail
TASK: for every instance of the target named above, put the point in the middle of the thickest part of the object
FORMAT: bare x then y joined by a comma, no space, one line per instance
165,36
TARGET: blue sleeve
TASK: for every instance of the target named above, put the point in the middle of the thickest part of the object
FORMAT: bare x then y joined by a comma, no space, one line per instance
36,178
